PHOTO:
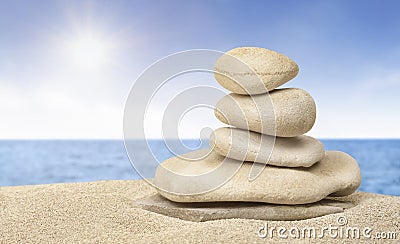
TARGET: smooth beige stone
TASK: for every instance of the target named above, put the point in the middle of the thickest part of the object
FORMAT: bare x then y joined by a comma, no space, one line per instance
337,174
287,112
299,151
254,70
201,212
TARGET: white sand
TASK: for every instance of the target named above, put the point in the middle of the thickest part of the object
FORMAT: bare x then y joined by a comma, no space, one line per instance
102,212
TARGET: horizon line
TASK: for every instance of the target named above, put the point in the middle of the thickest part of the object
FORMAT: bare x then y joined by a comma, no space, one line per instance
187,138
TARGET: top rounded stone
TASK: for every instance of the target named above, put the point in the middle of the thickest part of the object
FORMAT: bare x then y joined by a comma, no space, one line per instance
253,70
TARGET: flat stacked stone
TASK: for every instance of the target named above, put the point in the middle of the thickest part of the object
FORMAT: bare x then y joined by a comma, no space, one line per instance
298,151
266,126
206,211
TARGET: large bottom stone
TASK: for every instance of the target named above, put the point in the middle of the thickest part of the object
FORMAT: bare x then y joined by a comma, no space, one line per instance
200,212
214,178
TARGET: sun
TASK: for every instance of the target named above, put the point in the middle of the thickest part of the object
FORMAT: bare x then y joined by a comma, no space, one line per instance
88,51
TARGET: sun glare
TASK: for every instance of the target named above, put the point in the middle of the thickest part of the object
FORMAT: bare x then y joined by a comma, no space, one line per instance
88,51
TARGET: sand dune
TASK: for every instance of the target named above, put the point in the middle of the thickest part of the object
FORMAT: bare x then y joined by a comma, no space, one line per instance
102,212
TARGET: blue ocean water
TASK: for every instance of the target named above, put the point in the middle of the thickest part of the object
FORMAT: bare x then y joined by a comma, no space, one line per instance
24,162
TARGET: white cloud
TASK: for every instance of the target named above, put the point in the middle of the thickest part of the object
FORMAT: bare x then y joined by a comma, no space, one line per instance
52,111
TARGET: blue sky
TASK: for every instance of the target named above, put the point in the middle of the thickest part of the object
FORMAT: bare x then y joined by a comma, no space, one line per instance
348,53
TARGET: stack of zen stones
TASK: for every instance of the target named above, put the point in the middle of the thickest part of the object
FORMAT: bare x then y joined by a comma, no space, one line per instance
266,129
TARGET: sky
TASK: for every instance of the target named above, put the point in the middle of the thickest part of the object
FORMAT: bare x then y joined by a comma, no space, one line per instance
66,67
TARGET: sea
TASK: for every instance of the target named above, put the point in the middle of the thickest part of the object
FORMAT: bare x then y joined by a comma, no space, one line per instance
27,162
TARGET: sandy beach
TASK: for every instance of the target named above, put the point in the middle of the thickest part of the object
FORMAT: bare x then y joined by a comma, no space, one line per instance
102,212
